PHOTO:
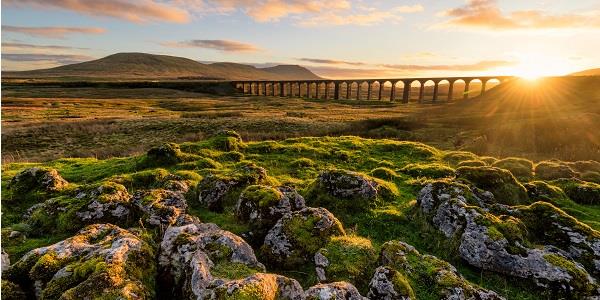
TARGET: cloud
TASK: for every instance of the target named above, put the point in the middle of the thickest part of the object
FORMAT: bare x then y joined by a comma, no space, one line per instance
52,32
367,17
138,11
55,58
479,66
330,61
220,45
12,46
486,14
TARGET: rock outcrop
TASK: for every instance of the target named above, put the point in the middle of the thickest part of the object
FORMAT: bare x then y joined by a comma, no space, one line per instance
260,286
501,243
100,260
160,207
37,179
297,236
333,291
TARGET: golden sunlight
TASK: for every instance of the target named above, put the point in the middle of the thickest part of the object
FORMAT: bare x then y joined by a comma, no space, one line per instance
534,66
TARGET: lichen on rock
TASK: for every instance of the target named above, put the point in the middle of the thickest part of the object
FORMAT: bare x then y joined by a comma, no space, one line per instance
333,291
297,236
500,182
100,260
37,179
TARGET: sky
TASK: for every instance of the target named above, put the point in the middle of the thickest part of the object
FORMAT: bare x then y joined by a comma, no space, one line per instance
333,38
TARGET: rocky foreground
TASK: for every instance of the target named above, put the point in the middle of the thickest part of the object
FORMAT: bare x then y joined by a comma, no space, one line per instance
305,218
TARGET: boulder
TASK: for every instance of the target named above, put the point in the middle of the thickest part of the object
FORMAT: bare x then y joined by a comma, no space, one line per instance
197,257
100,260
341,190
333,291
501,243
521,168
553,169
541,190
260,286
262,206
401,261
106,202
216,191
160,207
579,191
431,170
346,258
4,261
37,179
12,291
297,236
164,155
389,284
500,182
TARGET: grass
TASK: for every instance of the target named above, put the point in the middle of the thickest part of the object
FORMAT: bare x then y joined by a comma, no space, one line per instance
297,162
552,120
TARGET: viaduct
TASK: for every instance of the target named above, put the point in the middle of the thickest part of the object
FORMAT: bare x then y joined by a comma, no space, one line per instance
335,88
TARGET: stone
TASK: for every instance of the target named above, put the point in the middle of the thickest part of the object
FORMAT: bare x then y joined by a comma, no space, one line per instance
389,284
500,244
260,286
297,236
193,257
160,207
37,179
501,183
4,261
333,291
100,260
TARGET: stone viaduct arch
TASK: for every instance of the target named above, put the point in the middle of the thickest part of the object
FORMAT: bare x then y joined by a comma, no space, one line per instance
390,89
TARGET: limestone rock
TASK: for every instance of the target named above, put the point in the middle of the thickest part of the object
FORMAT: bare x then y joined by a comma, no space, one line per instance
499,243
262,206
297,236
37,179
260,286
500,182
102,259
389,284
161,207
333,291
193,256
4,261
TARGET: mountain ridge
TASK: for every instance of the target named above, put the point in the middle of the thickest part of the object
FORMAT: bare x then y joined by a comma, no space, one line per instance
145,65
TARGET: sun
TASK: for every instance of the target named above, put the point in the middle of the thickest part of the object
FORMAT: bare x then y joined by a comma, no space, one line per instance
533,66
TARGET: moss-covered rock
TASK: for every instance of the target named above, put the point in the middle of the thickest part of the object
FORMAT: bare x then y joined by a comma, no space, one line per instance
585,166
453,158
102,260
434,170
197,257
541,190
297,236
219,190
590,176
262,206
472,163
302,162
333,291
581,192
226,140
553,169
347,191
106,202
12,291
384,173
500,182
37,180
402,263
521,168
165,155
258,287
346,258
160,207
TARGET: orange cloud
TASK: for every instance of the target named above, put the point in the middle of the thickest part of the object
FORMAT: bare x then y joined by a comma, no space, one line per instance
479,66
52,32
221,45
486,14
138,11
331,61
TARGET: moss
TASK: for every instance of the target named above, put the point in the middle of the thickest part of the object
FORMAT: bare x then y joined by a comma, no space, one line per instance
401,285
579,276
166,155
472,163
12,291
500,182
428,170
541,190
416,151
232,156
521,168
585,166
488,159
494,233
189,175
552,169
581,192
46,266
455,157
591,176
226,140
207,163
143,179
302,162
351,258
384,173
231,270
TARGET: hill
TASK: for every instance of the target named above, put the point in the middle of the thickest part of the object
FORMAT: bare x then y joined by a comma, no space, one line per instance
590,72
143,65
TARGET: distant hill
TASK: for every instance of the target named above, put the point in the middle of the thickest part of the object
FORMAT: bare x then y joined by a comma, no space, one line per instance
590,72
143,65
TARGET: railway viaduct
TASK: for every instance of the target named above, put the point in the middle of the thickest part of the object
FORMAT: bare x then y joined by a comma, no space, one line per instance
343,89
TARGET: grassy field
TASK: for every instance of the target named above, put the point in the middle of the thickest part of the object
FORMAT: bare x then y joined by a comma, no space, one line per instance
551,119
